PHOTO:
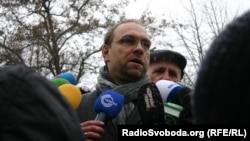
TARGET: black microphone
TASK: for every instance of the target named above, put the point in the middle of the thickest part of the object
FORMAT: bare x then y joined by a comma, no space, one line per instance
150,105
108,105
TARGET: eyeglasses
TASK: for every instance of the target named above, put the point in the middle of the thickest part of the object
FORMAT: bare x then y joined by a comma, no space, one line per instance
133,41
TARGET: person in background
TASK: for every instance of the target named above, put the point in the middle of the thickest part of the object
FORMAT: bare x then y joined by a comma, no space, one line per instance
166,65
222,94
126,51
170,65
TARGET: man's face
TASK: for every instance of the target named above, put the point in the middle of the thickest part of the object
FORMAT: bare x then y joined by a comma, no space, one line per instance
128,55
163,70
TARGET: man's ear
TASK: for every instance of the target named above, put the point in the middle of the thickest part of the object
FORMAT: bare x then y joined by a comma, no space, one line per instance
105,52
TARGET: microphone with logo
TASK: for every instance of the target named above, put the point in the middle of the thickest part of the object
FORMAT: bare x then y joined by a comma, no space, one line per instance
177,102
150,105
108,105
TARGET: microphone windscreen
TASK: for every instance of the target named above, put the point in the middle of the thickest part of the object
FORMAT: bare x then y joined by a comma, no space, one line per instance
184,97
150,105
68,76
72,94
178,94
110,103
168,90
59,81
172,113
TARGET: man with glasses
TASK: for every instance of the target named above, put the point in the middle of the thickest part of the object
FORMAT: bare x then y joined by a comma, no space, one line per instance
126,55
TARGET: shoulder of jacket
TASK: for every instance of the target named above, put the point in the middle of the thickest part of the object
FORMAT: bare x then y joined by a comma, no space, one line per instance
91,96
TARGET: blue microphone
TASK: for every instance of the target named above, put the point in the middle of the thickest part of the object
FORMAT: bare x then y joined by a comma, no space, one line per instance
68,76
108,105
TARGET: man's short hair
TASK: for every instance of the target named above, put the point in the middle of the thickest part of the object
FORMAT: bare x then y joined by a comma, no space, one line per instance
110,33
169,56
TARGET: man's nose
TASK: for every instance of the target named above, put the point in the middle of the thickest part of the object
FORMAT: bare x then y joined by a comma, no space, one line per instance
165,76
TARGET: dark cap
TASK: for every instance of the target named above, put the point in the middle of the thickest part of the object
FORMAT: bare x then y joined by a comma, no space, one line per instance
169,56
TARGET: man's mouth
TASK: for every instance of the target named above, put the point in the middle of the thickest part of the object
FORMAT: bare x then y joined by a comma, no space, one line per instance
138,61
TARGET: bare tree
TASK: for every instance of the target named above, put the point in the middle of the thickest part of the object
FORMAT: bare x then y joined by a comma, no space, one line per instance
206,22
53,36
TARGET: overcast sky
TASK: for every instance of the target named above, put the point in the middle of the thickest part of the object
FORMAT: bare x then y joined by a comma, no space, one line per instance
177,7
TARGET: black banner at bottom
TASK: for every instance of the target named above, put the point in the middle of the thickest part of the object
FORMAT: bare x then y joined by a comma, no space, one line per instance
192,132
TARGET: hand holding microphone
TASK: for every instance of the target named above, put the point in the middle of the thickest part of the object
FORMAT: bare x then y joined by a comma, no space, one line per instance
108,105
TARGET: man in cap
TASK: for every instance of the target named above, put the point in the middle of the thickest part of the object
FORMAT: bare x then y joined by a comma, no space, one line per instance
167,65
